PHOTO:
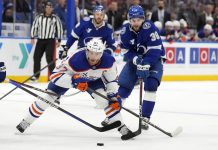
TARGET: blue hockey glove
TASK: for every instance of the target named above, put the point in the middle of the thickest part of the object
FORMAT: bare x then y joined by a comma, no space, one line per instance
143,71
116,102
137,60
63,52
2,71
79,83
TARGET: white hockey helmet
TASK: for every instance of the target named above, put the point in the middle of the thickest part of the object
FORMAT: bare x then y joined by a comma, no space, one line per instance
95,45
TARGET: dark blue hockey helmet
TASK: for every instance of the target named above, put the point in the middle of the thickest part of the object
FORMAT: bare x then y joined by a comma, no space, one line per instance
136,12
98,8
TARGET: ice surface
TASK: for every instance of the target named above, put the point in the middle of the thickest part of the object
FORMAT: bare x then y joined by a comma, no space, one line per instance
192,105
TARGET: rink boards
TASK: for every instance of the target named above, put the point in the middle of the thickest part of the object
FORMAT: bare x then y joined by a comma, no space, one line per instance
185,61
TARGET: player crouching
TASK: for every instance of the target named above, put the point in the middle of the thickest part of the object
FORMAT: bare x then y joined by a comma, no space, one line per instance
84,69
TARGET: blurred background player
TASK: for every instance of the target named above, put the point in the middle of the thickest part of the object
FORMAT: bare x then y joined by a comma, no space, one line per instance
2,71
89,28
48,29
144,51
84,69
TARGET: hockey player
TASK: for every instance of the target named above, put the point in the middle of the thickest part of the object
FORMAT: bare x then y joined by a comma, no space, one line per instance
143,48
2,71
89,28
84,69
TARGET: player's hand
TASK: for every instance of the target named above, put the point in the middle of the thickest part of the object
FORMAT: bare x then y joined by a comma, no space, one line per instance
79,83
116,102
63,52
137,60
143,70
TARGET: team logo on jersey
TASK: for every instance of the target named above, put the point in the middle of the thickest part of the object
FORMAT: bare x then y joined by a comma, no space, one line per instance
146,25
123,30
132,41
88,30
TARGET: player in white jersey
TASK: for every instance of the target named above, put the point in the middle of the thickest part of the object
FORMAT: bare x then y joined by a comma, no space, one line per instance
84,69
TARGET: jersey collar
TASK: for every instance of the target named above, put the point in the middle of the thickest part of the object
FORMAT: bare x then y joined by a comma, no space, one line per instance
103,24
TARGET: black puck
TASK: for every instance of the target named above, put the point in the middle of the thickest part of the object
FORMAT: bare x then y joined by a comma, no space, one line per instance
100,144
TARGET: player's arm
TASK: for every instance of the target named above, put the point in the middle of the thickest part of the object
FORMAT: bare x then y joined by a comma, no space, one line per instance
110,42
110,77
154,45
126,48
75,34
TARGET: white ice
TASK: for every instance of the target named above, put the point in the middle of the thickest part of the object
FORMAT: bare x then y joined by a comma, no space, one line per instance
192,105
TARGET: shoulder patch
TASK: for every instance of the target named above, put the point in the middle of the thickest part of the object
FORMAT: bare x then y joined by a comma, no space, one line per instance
146,25
123,30
86,18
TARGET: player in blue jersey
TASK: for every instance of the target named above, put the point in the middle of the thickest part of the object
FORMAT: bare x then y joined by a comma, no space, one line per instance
2,71
144,51
84,69
89,28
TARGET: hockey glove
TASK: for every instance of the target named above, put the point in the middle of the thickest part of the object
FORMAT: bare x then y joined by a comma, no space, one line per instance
63,52
143,71
137,60
116,102
2,72
79,83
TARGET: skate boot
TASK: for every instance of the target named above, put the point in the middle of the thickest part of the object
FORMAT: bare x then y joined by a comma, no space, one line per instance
144,125
126,133
105,122
22,126
33,80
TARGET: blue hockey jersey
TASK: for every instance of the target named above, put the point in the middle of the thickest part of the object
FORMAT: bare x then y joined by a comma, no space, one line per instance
85,30
146,42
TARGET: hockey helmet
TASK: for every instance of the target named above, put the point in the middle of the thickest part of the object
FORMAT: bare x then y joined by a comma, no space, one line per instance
136,12
95,45
98,8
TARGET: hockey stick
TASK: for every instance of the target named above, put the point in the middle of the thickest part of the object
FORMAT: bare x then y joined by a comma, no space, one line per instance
177,131
139,131
29,78
100,129
44,91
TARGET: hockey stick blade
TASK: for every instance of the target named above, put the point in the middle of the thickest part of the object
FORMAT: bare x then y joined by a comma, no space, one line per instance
110,126
130,136
100,129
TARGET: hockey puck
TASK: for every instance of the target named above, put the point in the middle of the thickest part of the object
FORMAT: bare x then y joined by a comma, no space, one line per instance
100,144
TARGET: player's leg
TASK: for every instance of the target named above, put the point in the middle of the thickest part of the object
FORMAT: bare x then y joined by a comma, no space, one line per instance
150,88
112,115
38,107
127,80
98,86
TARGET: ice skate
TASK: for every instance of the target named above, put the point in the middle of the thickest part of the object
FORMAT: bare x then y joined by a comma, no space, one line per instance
22,126
126,133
